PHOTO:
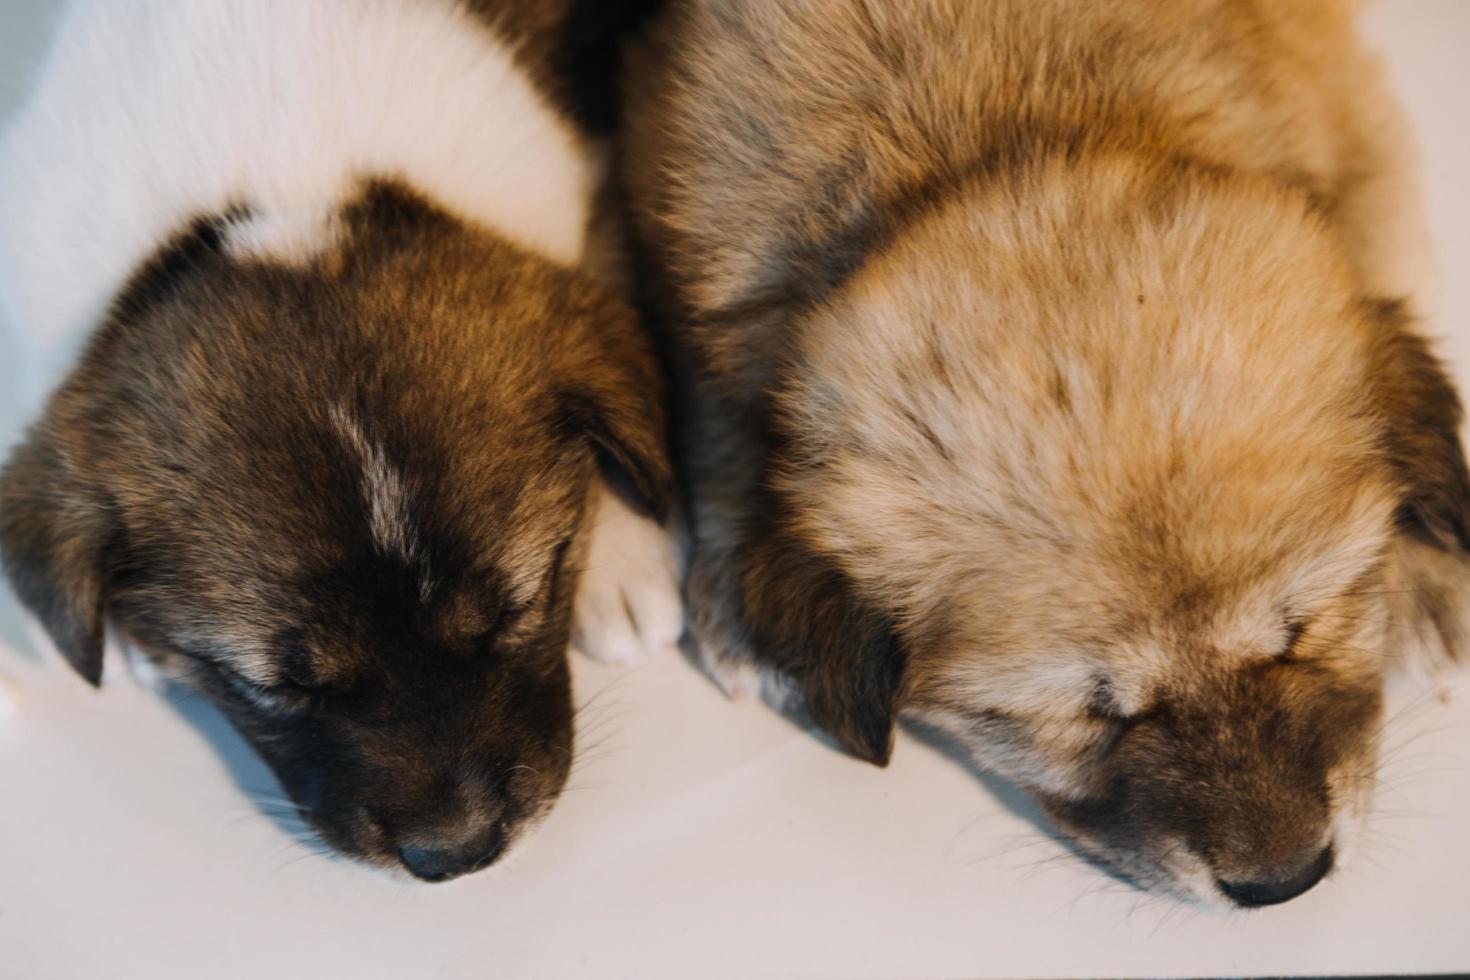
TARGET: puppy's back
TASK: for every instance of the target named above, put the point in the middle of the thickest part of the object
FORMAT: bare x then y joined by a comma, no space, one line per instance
153,113
775,144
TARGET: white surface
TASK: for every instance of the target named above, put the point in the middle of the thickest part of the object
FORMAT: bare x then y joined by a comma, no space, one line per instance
699,837
9,699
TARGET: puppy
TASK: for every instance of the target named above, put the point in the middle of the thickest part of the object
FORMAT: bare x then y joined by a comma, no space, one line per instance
1047,377
348,424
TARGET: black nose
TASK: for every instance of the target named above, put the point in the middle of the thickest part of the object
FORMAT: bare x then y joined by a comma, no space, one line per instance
442,860
1251,894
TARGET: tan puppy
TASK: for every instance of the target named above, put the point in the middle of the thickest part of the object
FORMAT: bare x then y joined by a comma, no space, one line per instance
1047,381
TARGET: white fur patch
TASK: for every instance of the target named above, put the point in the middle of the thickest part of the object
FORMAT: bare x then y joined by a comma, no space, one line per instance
384,491
153,112
628,602
1190,875
294,236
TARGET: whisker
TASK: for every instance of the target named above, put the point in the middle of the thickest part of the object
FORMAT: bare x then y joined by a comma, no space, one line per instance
1427,628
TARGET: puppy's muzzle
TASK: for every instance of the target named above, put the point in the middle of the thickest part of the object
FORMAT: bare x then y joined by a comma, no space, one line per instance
449,856
1272,891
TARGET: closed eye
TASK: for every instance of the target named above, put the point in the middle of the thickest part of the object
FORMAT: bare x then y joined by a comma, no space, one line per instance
1102,704
1104,711
518,617
546,590
1294,630
283,698
554,573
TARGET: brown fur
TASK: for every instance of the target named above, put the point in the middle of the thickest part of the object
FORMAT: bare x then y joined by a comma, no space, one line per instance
338,463
571,47
196,480
1039,381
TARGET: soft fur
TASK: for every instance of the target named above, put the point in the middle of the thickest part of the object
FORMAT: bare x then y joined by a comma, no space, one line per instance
1047,377
332,450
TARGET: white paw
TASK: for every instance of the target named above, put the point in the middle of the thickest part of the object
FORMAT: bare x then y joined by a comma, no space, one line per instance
628,602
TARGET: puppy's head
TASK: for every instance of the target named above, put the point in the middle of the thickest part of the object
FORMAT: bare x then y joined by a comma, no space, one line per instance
1133,474
344,499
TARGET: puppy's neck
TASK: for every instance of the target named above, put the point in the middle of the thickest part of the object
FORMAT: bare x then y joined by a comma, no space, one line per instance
148,117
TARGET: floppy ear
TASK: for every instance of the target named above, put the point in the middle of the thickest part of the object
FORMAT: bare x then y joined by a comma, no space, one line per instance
1423,415
614,399
626,430
52,536
843,654
1429,567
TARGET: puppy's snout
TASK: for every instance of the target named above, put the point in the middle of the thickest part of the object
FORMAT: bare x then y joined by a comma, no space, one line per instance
1252,893
449,856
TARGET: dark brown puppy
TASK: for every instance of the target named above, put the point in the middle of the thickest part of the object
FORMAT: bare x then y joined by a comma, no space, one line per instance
333,453
1044,379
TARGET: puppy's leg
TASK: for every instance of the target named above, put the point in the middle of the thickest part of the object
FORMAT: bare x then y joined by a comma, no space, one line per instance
722,454
772,618
628,601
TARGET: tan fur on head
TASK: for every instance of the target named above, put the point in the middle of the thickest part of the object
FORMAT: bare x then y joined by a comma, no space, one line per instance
1114,499
1039,385
1139,414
